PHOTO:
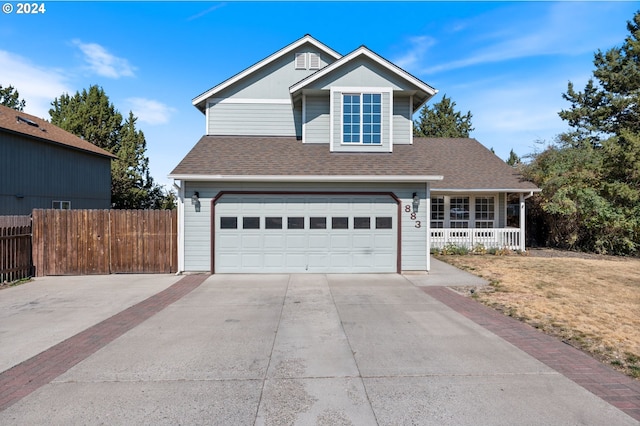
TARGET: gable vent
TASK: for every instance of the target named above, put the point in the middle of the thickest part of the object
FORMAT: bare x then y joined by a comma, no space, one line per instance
314,61
301,61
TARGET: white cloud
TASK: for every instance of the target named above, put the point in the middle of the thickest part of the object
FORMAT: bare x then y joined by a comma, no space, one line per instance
150,111
419,47
37,85
566,28
104,63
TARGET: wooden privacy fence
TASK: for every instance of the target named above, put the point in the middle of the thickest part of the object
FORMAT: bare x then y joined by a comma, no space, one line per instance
89,242
15,253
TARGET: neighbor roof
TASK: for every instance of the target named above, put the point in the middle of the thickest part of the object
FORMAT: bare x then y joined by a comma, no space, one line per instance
34,127
464,163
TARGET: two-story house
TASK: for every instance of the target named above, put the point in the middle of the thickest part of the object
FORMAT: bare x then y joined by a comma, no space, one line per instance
309,164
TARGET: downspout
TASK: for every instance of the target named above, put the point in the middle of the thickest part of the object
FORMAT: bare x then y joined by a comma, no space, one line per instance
427,225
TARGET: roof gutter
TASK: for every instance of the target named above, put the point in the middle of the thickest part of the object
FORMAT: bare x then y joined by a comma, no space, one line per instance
520,190
306,178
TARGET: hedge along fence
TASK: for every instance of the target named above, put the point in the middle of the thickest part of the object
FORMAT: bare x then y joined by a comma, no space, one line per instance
15,253
90,242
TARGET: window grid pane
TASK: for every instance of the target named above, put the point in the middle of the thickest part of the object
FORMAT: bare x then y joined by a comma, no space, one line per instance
362,118
273,223
250,223
295,223
318,223
351,119
361,223
372,113
384,222
339,223
228,223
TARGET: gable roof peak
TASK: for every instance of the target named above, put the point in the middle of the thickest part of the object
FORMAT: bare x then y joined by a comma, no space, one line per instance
200,100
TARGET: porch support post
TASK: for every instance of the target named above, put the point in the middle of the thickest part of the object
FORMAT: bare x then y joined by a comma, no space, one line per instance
427,224
522,222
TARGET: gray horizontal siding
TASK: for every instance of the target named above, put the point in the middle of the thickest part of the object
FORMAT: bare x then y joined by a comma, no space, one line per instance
401,120
42,172
318,118
197,225
253,119
273,81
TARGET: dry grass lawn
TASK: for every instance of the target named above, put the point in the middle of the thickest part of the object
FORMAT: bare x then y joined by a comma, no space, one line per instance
591,303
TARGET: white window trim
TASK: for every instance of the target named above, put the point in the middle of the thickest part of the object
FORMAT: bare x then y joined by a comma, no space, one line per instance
61,203
472,209
340,90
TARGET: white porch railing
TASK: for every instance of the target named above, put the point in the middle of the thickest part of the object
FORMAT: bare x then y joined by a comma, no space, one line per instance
499,238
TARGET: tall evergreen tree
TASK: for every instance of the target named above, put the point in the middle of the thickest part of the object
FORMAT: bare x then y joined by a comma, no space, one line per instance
611,102
10,97
443,121
591,176
513,159
90,115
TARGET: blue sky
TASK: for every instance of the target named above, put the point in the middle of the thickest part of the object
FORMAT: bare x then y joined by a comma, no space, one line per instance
506,62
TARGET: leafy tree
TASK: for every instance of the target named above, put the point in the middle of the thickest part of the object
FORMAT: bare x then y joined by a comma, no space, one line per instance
90,115
591,176
443,121
513,159
10,97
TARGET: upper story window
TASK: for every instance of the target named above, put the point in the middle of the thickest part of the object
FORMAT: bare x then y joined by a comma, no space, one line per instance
362,118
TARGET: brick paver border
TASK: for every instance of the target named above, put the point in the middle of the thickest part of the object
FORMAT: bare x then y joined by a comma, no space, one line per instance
24,378
612,386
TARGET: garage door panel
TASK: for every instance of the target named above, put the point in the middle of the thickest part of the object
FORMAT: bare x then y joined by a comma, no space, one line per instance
296,260
250,241
318,241
273,241
362,241
340,242
228,242
300,248
318,261
296,242
251,260
274,260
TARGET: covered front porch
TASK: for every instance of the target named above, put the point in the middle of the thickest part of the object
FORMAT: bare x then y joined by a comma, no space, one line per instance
494,238
478,220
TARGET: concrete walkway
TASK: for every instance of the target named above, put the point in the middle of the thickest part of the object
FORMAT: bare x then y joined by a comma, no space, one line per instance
282,349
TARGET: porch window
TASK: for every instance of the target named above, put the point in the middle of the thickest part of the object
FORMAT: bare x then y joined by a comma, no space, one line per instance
437,212
485,212
362,118
459,212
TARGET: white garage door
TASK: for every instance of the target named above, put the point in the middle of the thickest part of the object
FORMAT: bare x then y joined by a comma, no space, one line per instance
305,233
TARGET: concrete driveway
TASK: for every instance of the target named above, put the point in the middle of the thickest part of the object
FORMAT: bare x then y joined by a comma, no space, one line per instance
270,350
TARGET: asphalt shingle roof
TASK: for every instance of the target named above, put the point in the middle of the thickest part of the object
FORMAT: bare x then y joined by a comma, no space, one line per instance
464,163
30,125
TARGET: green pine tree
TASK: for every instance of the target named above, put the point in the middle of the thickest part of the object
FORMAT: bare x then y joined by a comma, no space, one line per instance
10,97
90,115
443,121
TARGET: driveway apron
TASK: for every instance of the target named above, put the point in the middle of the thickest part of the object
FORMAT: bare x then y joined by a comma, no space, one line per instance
310,350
